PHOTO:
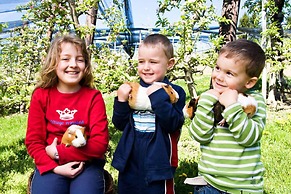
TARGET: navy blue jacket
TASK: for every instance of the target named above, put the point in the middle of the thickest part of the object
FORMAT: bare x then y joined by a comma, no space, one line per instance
161,153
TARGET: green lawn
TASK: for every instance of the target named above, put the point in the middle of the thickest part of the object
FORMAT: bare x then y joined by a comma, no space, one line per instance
276,148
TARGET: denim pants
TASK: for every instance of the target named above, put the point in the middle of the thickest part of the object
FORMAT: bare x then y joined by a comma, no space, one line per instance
207,189
91,180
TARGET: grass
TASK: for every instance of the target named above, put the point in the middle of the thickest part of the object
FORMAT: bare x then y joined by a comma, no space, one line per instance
16,165
276,149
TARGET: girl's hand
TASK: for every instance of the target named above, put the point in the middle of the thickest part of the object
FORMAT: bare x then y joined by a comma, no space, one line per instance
51,150
123,92
70,170
228,97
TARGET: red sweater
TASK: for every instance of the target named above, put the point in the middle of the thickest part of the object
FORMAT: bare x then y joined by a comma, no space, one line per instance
52,112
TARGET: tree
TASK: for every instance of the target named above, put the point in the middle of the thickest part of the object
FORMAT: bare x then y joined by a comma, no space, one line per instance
188,30
278,56
22,53
249,21
277,52
228,28
276,42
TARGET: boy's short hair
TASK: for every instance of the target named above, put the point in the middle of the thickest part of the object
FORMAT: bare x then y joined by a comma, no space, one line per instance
249,51
156,39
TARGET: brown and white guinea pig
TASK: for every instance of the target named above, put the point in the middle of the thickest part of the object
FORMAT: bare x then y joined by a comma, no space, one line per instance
139,99
190,108
249,105
75,135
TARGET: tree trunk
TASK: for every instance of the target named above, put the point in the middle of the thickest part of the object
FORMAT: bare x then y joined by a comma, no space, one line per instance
230,10
190,83
272,90
91,19
276,86
73,11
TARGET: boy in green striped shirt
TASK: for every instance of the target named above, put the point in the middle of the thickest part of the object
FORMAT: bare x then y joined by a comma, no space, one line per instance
231,154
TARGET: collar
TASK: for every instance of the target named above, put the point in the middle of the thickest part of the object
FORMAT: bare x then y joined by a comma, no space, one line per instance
143,84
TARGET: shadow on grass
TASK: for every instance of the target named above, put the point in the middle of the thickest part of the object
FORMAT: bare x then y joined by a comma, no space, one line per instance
187,168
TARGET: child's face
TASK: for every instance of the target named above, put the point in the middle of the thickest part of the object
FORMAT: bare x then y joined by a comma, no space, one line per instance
70,68
230,73
153,63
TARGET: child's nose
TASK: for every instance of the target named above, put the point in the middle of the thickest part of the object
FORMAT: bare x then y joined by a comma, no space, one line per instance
220,76
146,66
73,63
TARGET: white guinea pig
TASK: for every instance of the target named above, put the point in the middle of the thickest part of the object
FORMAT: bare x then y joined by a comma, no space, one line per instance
75,135
139,99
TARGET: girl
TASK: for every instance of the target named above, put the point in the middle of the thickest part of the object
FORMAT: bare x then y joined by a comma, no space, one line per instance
65,96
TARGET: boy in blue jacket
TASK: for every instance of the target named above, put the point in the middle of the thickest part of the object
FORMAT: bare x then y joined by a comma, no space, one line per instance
146,156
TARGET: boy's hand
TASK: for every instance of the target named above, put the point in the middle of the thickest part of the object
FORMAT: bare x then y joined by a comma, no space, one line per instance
228,97
152,88
213,92
123,92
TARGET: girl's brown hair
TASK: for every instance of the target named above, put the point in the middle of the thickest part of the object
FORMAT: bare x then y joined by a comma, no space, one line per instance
48,77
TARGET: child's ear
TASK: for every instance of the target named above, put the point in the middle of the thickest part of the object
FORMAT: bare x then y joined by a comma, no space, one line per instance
171,63
251,83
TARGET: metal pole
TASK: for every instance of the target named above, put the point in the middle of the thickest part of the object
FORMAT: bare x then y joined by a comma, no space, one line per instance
264,45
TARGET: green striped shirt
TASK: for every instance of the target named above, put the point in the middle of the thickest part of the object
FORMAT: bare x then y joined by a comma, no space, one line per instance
231,156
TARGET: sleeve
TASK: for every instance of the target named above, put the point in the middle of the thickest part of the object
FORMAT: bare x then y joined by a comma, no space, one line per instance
35,139
202,125
121,114
98,137
247,131
169,116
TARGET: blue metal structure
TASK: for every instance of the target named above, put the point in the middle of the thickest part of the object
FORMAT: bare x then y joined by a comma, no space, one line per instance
129,40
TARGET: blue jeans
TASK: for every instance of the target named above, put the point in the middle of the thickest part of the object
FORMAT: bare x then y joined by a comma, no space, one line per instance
91,180
207,189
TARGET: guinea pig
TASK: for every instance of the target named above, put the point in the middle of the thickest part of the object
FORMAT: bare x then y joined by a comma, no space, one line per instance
139,99
75,135
174,96
249,105
190,108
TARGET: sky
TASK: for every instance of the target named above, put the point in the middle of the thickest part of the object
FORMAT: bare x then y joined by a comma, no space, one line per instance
148,9
143,11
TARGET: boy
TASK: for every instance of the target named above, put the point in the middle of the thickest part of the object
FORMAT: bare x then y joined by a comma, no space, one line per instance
146,155
230,161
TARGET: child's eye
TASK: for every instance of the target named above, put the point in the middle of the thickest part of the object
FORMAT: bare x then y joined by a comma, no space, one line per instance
64,59
229,73
80,60
216,68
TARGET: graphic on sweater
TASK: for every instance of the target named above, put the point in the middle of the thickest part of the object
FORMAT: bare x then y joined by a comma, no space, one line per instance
67,114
